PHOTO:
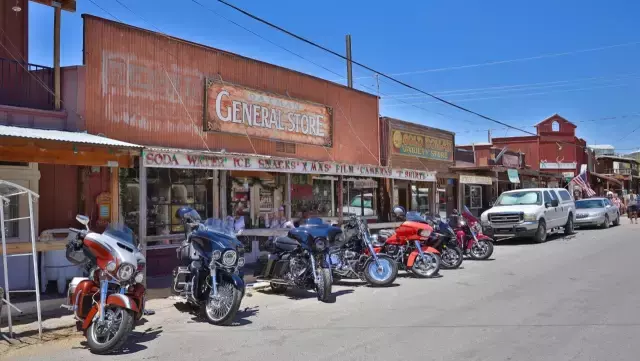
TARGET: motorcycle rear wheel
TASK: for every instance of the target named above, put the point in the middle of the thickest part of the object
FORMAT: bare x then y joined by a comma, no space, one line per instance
104,339
451,258
482,250
222,310
323,287
383,277
426,268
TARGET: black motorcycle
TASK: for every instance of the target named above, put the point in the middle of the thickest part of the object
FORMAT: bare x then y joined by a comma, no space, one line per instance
356,257
300,259
443,239
209,277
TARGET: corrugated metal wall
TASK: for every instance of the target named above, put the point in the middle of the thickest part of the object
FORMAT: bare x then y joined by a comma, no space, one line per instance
131,75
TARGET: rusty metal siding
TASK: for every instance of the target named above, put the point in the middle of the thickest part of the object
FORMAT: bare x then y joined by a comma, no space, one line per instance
413,162
129,96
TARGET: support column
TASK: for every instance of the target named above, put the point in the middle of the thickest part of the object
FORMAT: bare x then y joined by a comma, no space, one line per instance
215,195
223,194
57,17
115,194
287,198
340,200
142,218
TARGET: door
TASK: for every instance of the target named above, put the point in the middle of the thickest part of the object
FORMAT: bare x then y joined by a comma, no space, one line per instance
402,198
550,213
560,211
611,210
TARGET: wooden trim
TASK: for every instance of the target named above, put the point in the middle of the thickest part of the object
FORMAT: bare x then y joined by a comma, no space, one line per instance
41,246
19,150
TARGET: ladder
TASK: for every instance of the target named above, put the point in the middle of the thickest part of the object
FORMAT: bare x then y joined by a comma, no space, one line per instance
8,190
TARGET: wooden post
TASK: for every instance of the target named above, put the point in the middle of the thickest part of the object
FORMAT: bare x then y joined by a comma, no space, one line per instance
142,214
288,197
216,194
223,194
115,194
340,200
57,17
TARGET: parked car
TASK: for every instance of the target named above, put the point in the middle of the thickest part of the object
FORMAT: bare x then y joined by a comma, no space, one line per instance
597,212
531,213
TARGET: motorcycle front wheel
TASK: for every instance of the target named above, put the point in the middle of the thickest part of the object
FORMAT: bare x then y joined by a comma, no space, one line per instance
451,258
112,333
482,250
381,274
426,267
221,309
323,285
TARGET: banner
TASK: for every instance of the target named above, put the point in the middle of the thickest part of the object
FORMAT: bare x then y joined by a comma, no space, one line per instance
178,159
514,177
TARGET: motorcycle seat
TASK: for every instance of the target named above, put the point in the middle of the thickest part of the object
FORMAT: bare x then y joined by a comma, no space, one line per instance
285,243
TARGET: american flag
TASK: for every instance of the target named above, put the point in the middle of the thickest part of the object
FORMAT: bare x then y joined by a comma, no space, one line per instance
581,180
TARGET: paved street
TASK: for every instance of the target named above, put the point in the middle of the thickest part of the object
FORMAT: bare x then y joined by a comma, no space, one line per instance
568,299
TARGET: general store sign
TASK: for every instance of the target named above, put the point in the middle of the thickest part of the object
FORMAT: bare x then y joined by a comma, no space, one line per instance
160,159
422,146
239,110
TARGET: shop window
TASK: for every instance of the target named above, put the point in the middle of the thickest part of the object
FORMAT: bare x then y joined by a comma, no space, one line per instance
473,196
555,126
313,196
359,197
286,147
11,211
420,198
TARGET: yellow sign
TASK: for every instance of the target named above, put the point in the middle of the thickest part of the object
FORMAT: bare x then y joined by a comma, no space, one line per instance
422,146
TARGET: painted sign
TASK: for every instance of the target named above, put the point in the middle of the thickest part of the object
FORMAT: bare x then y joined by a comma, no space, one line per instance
231,108
422,146
364,184
556,165
475,179
513,176
164,159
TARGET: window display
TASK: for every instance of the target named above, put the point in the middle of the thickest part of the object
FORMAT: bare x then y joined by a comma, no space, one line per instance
359,197
473,196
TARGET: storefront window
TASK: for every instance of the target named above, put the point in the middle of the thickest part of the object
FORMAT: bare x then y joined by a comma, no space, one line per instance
360,197
473,196
312,195
420,197
11,211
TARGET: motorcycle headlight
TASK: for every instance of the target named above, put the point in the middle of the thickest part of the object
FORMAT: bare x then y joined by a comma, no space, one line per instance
229,258
111,266
320,245
216,255
424,233
125,272
240,261
139,277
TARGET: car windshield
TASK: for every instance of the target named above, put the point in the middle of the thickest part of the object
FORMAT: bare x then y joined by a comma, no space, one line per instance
589,203
120,232
519,198
218,225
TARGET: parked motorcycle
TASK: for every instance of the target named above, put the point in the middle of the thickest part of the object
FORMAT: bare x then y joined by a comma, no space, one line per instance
469,235
209,277
300,259
108,302
356,257
409,246
444,240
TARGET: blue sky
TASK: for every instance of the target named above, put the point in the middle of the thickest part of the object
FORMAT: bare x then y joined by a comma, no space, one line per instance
596,89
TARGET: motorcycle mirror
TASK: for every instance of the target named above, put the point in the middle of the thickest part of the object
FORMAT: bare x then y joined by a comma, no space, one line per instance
84,220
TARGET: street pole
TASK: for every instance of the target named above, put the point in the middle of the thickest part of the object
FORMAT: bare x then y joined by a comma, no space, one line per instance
57,17
350,85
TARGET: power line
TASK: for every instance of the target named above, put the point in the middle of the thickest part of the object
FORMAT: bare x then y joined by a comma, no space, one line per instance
369,68
553,55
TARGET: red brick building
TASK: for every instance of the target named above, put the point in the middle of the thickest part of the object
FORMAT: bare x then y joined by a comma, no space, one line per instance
554,149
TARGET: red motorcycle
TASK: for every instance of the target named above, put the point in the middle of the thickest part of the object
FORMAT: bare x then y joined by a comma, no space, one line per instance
107,304
469,234
410,245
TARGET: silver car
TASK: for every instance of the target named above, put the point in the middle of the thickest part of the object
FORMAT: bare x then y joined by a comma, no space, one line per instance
596,212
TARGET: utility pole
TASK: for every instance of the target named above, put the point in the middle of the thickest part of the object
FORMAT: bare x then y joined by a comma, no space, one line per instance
350,84
349,63
57,17
489,135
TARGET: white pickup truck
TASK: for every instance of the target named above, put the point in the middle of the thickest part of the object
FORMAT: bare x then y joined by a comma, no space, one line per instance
531,213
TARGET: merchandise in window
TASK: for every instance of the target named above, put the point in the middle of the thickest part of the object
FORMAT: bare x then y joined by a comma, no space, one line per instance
359,197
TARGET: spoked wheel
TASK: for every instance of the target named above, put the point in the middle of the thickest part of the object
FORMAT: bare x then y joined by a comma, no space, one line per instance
110,335
221,309
427,266
451,258
323,286
382,273
482,250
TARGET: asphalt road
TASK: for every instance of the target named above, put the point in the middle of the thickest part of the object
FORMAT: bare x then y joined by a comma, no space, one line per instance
567,299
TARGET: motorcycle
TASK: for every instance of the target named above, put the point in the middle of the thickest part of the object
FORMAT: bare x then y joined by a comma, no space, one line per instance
356,257
209,277
469,235
300,259
409,245
108,302
445,241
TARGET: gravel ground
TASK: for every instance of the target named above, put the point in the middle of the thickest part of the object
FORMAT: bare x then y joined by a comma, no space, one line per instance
568,299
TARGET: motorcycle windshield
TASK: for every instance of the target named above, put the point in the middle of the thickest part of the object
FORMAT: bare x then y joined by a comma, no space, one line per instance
466,213
217,225
120,232
221,234
415,217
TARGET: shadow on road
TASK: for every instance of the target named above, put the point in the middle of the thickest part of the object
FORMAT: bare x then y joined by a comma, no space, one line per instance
529,241
241,318
298,294
135,341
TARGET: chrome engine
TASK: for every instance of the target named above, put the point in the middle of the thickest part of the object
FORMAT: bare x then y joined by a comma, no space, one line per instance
343,263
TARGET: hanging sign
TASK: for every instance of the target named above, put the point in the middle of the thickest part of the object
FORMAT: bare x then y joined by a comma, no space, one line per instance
421,145
364,184
166,159
475,179
231,108
556,165
513,176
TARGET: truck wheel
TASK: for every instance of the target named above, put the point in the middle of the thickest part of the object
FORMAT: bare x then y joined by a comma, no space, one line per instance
541,232
568,228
